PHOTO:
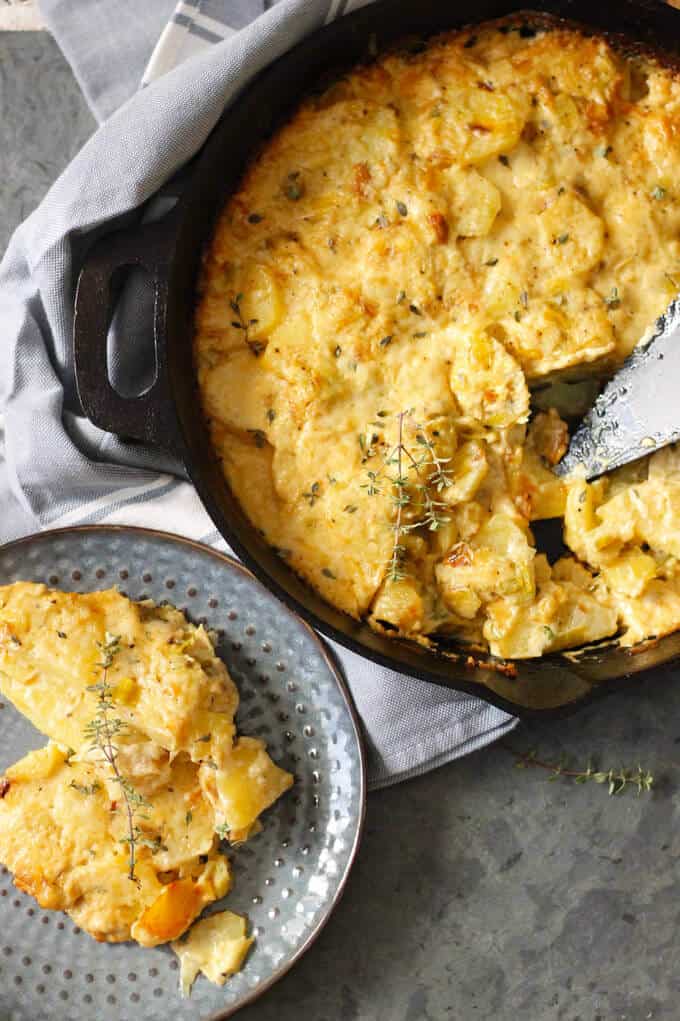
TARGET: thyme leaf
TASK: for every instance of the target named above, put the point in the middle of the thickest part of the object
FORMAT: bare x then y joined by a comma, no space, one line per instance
256,346
293,188
313,495
82,788
613,299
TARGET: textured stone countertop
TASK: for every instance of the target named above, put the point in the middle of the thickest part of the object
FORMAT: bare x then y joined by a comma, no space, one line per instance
480,891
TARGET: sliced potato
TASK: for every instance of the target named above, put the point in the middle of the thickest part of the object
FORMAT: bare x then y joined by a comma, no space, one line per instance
487,381
248,783
216,946
473,202
572,241
550,336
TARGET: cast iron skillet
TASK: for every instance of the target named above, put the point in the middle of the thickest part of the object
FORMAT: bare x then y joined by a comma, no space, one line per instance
167,413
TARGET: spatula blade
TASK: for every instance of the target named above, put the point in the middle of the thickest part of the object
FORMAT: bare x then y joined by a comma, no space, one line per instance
639,409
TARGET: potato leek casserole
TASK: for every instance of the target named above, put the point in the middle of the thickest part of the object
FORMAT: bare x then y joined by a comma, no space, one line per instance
119,819
412,273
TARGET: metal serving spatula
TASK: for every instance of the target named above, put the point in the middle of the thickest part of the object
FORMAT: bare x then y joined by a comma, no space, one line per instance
639,409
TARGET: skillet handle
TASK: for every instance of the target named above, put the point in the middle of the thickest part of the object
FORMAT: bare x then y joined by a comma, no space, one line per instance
149,416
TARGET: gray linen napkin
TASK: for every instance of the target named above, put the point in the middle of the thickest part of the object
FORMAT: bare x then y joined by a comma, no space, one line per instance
58,469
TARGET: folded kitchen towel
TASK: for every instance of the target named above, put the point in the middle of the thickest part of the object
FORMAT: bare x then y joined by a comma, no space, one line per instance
57,468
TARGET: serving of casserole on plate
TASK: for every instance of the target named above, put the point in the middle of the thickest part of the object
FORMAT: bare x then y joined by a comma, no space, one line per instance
143,773
414,271
150,800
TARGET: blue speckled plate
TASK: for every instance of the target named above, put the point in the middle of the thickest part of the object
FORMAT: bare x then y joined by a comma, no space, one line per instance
287,879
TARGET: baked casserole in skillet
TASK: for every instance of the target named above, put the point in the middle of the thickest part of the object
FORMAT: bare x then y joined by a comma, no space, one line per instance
414,271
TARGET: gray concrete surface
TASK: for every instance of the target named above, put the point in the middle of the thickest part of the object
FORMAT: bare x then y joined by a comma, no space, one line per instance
43,122
481,891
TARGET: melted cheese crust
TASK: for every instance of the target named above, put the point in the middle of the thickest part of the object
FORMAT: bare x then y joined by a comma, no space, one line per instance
418,246
64,829
166,678
61,834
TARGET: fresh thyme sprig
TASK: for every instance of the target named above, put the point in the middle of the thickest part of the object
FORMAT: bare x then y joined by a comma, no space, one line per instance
256,346
102,731
616,780
430,472
403,460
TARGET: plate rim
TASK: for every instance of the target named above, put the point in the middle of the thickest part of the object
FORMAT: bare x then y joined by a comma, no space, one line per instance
232,563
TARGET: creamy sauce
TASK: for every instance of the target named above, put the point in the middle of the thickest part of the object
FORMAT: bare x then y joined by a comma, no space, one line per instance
416,248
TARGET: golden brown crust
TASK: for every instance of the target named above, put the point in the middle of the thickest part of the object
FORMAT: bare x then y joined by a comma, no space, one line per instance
437,230
118,830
